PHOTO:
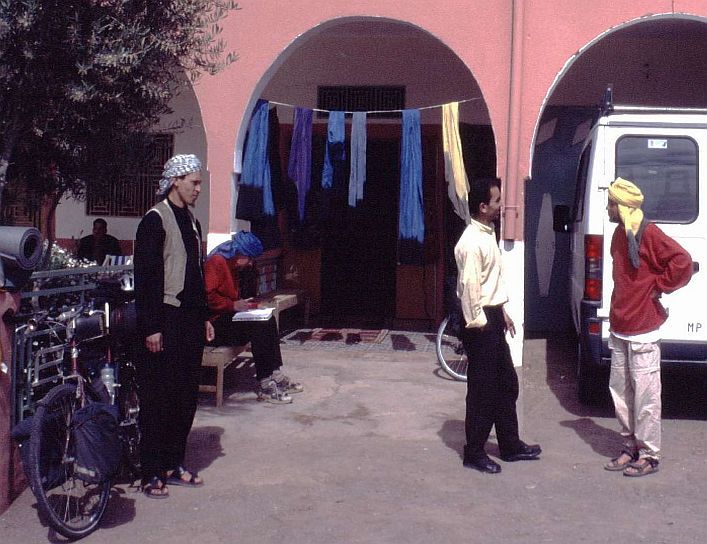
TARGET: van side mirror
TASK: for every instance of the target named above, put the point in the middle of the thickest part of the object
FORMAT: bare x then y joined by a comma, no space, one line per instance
561,218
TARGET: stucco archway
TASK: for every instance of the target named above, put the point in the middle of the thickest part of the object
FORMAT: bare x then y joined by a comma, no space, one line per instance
361,51
652,61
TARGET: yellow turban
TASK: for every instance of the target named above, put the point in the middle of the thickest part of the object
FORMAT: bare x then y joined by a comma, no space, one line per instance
629,198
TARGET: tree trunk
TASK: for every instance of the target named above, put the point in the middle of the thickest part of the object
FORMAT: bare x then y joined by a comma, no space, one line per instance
47,225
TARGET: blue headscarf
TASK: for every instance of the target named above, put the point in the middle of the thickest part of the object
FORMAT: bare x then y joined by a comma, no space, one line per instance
242,243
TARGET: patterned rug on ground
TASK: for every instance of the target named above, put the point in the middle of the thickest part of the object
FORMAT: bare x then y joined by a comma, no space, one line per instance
359,340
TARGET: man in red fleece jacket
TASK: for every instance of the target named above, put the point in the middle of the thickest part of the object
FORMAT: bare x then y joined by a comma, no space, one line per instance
646,264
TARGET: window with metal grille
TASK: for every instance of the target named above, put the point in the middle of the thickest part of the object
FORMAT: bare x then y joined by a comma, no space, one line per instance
134,193
381,98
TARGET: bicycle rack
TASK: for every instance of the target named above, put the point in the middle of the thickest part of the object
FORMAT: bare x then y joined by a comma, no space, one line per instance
37,360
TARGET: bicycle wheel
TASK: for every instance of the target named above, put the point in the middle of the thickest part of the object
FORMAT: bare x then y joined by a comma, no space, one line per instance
450,353
72,507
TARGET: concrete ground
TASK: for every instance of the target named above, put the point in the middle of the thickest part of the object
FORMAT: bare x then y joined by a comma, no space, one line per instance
371,453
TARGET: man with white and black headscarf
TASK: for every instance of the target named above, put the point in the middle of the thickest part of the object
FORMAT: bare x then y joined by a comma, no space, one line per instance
172,319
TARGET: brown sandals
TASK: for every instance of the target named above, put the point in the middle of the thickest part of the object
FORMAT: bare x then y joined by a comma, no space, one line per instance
155,488
616,465
177,477
642,467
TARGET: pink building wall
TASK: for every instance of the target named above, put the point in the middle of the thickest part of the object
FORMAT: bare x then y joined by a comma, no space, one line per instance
515,51
262,30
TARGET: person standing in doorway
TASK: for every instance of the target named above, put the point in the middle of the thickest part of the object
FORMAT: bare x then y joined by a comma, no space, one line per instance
646,264
172,316
492,382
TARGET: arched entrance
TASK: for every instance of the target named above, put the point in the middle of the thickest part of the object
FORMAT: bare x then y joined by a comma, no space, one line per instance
349,261
654,61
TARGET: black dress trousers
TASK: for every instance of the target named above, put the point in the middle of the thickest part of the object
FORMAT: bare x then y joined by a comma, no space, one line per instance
263,337
492,387
169,388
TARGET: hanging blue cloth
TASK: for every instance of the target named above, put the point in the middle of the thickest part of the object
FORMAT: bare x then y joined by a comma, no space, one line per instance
335,152
299,168
357,176
256,167
412,219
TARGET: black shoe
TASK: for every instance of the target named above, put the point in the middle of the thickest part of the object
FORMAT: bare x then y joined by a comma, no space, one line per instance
524,453
483,464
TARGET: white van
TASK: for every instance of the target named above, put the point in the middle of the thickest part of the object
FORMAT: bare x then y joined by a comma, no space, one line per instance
663,151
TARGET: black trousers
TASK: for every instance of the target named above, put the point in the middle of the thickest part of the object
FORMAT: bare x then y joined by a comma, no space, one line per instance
492,387
168,390
263,337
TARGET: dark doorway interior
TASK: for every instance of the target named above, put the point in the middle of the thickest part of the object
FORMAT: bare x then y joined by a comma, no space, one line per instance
349,256
359,247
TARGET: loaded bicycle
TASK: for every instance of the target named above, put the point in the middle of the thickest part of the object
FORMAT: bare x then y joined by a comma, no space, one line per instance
97,395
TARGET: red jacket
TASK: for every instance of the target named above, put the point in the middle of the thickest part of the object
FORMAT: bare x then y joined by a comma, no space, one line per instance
665,266
221,285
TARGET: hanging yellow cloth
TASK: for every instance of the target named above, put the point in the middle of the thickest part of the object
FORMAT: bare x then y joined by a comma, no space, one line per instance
454,172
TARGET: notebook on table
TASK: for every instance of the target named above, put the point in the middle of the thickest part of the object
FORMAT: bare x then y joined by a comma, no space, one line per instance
257,314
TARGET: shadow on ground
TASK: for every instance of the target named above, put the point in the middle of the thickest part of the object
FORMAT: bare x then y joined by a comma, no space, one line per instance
684,387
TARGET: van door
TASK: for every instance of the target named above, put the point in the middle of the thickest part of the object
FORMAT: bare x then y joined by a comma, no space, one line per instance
664,163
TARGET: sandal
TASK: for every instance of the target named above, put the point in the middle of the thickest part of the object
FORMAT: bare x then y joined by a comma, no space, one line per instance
616,466
176,477
155,488
642,467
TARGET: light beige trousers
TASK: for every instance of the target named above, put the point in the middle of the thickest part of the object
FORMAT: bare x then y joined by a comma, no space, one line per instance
635,388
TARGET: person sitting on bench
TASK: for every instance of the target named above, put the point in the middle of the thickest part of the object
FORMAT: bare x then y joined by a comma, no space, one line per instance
221,273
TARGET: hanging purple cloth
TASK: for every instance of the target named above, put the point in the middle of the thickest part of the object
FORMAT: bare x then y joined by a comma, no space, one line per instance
299,168
255,177
412,218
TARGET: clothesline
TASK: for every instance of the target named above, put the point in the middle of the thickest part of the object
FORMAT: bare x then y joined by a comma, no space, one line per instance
378,111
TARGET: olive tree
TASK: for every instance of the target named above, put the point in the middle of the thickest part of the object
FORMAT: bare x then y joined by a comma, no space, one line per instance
81,78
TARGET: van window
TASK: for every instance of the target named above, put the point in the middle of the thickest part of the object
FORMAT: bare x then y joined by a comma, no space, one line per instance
582,173
665,168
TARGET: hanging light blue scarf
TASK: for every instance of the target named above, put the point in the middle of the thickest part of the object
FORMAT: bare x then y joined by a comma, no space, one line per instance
335,151
256,167
357,177
412,220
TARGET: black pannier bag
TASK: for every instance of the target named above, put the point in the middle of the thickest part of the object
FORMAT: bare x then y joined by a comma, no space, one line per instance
97,446
50,456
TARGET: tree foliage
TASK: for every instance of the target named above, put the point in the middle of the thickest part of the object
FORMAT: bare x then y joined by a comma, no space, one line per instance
80,78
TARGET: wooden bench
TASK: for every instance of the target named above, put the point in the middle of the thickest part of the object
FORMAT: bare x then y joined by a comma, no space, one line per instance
219,357
284,299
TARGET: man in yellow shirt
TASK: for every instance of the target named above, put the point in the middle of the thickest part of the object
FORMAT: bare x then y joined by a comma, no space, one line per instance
492,383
